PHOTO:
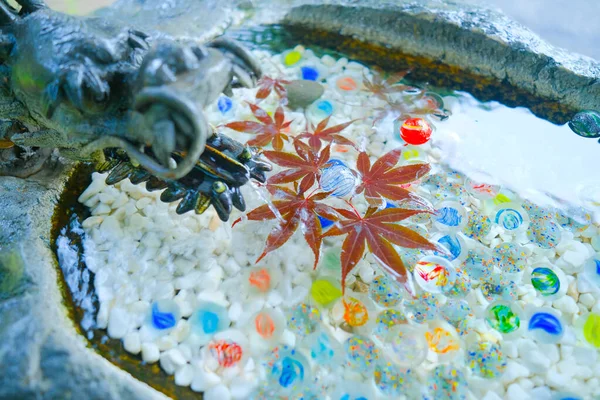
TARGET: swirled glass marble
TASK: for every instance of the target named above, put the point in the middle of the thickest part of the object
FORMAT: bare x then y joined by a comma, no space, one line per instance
338,179
545,281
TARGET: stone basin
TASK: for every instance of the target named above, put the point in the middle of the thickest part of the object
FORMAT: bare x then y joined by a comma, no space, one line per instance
42,351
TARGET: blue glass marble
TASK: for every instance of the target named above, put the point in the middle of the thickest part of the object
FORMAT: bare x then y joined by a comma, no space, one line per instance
290,371
325,223
162,320
389,205
338,179
208,319
448,216
545,327
325,107
323,349
545,281
225,104
309,73
451,243
510,219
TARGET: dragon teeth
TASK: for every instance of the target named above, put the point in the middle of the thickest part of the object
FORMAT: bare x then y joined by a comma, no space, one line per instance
155,184
119,173
173,193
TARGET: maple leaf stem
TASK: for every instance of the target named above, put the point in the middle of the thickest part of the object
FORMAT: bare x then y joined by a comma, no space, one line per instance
353,208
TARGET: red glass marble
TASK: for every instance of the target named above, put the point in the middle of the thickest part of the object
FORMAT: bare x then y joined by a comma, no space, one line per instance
415,131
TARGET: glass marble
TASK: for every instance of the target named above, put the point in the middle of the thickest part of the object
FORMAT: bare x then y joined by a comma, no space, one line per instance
325,291
357,311
346,83
481,191
498,287
208,319
478,225
433,274
586,124
309,73
423,307
503,317
509,257
406,345
292,58
478,262
303,319
383,291
338,179
453,244
544,233
486,359
392,380
322,348
325,223
262,279
591,329
442,338
351,390
386,320
268,324
545,326
415,131
545,281
450,215
447,382
290,372
511,217
461,286
361,353
164,315
321,109
225,104
459,314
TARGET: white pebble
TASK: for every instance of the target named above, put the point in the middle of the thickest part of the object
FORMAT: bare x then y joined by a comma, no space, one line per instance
150,352
235,311
184,375
203,380
587,300
566,304
219,392
514,370
516,392
118,323
132,342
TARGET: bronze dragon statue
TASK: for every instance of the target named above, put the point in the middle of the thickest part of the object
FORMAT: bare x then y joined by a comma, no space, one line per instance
99,90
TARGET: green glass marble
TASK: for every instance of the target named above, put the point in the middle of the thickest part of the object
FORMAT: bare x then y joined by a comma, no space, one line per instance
545,281
586,124
502,318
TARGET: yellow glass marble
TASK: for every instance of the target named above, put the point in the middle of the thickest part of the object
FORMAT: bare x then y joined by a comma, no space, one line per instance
591,330
325,292
292,58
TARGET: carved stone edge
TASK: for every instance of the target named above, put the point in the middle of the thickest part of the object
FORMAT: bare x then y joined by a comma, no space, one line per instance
42,356
475,39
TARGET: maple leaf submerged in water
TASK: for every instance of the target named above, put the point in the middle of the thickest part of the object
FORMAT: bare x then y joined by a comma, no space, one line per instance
267,129
377,231
295,210
306,165
384,177
267,84
323,134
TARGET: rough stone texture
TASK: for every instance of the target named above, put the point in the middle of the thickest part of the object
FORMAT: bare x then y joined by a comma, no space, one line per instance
474,39
41,354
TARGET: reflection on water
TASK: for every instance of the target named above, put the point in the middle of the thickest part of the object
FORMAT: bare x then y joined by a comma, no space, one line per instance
534,157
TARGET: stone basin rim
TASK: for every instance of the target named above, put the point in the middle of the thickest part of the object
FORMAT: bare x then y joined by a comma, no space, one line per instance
43,356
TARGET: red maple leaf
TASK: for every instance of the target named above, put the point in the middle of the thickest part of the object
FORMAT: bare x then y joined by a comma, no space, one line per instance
321,133
378,230
306,165
295,210
266,85
267,130
381,87
383,179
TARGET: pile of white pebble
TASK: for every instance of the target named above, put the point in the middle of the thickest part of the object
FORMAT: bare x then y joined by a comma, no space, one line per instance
520,319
